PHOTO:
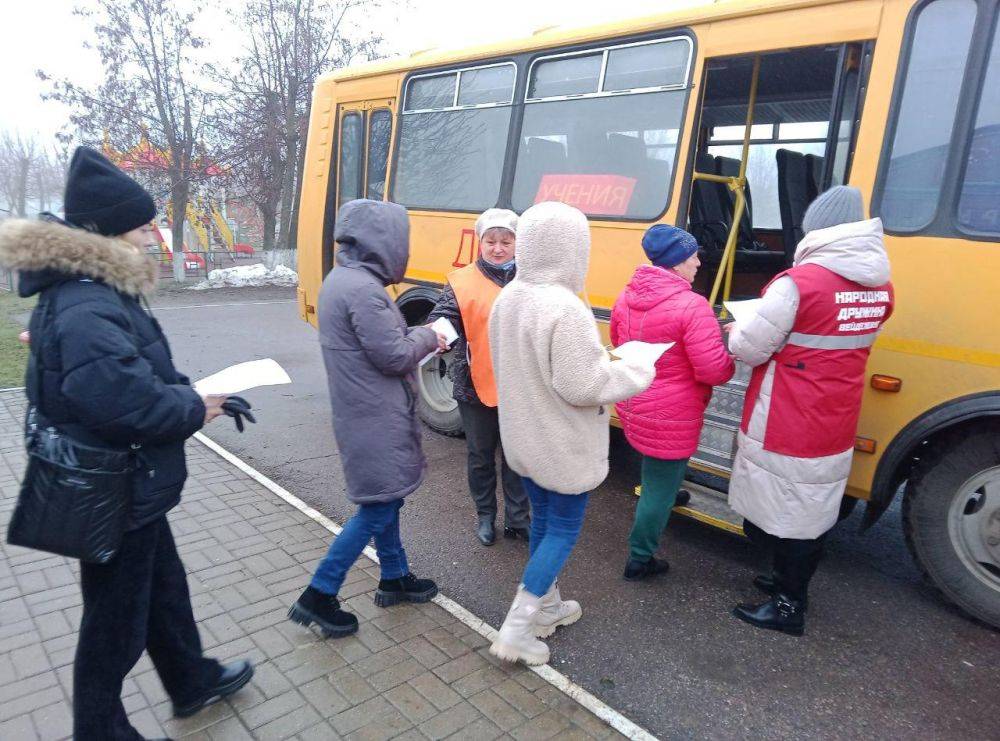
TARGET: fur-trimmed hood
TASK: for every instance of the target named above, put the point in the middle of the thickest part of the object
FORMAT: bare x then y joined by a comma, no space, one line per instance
46,252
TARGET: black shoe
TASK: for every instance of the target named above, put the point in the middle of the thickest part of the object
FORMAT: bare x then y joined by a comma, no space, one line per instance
486,533
313,606
233,677
637,570
683,498
407,589
769,586
779,613
513,533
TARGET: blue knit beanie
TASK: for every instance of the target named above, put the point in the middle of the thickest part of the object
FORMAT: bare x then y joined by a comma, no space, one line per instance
667,245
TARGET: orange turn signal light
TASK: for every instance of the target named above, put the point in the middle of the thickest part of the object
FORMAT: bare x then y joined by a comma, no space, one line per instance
886,383
864,444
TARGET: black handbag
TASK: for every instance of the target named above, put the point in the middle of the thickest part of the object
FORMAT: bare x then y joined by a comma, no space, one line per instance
74,498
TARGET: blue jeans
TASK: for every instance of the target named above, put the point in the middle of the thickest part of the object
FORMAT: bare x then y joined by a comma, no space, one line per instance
556,520
378,521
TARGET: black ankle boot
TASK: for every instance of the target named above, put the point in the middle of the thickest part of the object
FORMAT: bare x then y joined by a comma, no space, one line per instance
232,678
636,570
513,533
407,589
780,613
768,584
486,533
313,606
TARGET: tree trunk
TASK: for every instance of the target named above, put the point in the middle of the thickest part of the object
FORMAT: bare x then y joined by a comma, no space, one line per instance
288,190
269,219
179,199
24,172
293,234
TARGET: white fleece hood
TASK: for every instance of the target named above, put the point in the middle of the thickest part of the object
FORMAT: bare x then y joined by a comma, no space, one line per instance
553,246
855,251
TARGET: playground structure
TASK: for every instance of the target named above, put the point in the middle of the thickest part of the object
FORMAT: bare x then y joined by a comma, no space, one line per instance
204,215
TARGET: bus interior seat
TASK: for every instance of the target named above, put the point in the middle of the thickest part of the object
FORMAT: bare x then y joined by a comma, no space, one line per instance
627,156
751,256
707,221
730,167
796,190
814,166
544,157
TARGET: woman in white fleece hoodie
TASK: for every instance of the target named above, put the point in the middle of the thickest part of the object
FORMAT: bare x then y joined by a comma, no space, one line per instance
554,379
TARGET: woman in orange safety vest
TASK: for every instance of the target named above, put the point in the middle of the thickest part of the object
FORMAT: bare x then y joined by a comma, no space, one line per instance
466,302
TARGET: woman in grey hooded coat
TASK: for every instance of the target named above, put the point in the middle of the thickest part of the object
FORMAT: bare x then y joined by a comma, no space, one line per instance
370,357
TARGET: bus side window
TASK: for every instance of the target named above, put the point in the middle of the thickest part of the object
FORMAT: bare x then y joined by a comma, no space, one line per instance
453,131
601,127
351,149
979,205
926,114
379,132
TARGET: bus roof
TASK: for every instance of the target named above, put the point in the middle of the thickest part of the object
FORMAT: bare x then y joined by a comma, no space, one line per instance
557,36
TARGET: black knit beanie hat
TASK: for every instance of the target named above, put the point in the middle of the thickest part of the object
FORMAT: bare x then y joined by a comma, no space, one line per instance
102,198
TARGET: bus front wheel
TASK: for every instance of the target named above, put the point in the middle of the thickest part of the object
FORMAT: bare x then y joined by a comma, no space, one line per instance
951,517
435,405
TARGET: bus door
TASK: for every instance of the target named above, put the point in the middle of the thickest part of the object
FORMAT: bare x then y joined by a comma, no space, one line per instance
363,157
363,146
773,131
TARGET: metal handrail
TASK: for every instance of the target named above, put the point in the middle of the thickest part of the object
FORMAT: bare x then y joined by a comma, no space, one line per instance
724,277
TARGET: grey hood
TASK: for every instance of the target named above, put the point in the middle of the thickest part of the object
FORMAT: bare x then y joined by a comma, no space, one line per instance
553,246
854,250
375,236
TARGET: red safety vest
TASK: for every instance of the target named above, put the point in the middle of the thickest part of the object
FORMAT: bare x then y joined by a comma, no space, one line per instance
819,375
475,294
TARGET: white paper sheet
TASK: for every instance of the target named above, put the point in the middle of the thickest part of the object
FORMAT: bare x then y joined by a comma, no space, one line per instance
442,326
644,353
243,376
742,311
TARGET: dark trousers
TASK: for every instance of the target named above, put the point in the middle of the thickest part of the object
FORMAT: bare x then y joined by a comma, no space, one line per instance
139,600
795,560
482,436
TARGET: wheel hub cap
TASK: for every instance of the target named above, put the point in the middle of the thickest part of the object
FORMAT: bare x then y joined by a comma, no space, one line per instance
975,525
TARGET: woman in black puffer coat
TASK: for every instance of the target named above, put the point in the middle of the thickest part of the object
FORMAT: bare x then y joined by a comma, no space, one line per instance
101,373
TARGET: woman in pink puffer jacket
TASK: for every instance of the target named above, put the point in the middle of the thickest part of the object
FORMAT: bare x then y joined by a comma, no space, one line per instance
664,422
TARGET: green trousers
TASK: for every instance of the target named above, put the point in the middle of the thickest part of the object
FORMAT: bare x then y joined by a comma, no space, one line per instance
661,481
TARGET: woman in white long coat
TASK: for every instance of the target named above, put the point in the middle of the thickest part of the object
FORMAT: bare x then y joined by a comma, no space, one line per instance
808,343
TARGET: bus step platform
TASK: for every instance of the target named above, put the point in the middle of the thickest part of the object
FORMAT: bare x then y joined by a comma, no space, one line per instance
709,507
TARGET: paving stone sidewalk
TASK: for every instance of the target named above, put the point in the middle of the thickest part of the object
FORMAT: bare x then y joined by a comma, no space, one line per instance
411,672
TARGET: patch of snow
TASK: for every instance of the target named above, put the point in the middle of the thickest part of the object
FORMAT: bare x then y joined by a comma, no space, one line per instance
245,276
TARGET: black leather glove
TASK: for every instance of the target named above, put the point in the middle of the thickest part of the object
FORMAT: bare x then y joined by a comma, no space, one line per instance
237,407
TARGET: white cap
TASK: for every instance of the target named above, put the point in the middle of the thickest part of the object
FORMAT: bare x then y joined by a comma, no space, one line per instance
496,217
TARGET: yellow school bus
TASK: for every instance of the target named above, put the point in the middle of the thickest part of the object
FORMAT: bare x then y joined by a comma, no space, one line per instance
728,120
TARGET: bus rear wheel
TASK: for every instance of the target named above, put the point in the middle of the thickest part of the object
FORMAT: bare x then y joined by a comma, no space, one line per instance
951,517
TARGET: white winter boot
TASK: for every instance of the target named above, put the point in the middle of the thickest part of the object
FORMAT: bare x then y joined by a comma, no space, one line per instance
516,640
555,612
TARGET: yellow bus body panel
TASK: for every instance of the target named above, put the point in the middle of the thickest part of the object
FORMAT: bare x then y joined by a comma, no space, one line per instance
942,338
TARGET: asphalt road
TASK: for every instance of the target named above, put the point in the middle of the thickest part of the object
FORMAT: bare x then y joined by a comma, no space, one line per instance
883,655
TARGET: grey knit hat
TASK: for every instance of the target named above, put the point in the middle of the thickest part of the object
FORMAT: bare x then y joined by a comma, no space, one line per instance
841,204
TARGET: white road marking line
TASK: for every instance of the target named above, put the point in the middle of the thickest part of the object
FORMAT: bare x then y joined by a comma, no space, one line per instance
12,388
158,309
558,680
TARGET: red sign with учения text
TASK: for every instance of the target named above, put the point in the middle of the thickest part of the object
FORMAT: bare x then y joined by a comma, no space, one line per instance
607,195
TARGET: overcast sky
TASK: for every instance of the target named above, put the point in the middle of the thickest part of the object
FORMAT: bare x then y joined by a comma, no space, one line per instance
45,34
